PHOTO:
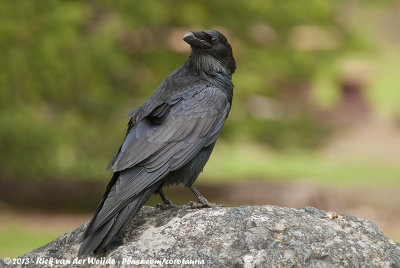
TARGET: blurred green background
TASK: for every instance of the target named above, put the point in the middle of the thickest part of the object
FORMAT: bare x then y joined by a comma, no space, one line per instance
315,117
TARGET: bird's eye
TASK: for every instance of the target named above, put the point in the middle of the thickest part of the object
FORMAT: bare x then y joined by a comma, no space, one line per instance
214,40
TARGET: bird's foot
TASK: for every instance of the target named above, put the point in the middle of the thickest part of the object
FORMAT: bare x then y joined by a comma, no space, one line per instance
203,202
206,204
165,205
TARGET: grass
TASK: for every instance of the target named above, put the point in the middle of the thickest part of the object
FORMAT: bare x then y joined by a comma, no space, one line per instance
251,161
16,240
21,232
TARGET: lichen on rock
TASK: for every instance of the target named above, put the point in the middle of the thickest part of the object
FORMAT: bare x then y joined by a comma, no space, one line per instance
247,236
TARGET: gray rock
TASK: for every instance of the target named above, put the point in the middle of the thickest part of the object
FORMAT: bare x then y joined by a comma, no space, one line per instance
257,236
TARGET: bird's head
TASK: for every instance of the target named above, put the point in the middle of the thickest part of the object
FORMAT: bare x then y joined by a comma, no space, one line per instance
211,51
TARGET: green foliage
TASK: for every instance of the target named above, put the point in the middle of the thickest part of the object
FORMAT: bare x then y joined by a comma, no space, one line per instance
300,132
70,70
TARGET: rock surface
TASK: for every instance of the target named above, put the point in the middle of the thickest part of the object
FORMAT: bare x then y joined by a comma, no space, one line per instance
265,236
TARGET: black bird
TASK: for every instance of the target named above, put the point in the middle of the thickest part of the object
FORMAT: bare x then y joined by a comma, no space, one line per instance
169,138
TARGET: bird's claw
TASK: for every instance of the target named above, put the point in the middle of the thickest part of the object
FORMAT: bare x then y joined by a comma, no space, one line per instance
164,206
206,204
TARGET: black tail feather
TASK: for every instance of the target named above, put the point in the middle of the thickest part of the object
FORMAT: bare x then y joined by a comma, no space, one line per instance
96,240
100,206
124,217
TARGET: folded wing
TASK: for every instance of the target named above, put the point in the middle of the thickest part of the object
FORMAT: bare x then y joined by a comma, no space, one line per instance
163,141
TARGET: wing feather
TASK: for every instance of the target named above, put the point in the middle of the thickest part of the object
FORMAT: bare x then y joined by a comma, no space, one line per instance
151,151
188,120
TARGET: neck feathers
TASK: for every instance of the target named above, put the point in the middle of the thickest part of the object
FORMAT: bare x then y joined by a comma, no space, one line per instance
207,64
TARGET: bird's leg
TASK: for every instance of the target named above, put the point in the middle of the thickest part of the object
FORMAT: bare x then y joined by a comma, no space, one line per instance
203,202
166,202
164,198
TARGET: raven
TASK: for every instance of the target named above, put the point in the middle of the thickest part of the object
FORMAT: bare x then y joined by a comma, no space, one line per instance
169,138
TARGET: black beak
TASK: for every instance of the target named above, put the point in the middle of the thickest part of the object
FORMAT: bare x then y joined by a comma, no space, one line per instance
195,39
